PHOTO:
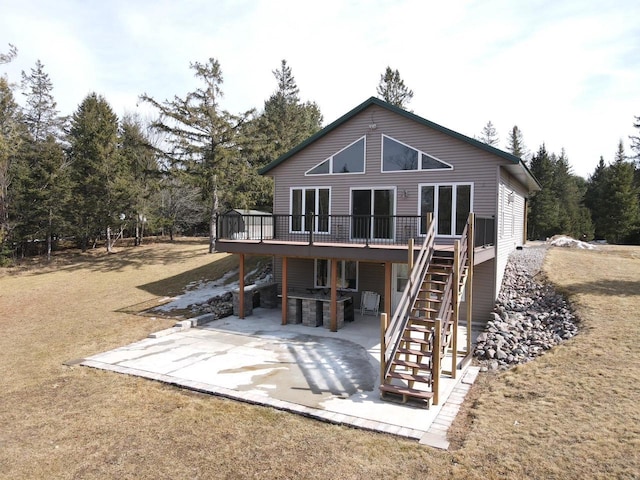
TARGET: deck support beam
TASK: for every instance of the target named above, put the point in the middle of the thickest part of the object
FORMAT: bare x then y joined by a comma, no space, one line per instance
241,285
285,289
334,295
388,294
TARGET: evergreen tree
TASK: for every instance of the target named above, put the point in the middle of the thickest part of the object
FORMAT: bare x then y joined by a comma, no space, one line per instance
10,55
40,115
515,142
393,90
100,196
543,207
44,186
285,122
621,198
573,216
11,136
594,198
489,135
635,143
205,141
143,173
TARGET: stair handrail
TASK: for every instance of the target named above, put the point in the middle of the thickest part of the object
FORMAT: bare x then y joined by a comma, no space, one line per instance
409,295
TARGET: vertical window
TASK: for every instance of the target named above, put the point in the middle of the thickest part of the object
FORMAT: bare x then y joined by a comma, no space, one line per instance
347,274
310,210
372,211
450,205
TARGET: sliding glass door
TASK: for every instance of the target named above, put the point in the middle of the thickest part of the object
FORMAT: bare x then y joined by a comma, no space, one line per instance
372,211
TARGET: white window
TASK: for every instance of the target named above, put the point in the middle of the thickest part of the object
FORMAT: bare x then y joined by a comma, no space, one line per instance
348,160
449,203
347,274
310,209
398,157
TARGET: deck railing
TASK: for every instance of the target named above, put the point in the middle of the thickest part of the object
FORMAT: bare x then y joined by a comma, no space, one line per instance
350,229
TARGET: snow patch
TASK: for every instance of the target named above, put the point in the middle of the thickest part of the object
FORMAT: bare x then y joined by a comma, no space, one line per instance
200,292
564,241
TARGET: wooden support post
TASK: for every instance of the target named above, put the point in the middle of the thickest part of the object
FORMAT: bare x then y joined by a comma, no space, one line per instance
241,285
334,295
388,294
384,324
285,287
471,242
410,251
435,360
455,299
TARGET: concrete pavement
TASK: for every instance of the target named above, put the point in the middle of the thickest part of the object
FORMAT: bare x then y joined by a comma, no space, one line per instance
331,376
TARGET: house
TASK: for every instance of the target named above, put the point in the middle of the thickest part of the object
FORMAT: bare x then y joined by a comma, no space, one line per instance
384,201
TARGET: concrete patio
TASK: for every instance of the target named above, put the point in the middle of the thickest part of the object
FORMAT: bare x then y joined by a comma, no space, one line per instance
330,376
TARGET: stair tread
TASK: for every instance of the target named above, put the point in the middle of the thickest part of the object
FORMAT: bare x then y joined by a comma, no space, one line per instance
434,300
420,341
411,351
401,390
411,364
411,378
418,328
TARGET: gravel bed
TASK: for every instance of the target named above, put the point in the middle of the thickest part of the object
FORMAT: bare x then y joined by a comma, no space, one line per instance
529,317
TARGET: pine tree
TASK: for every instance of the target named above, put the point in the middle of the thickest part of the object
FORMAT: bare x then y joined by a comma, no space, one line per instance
44,187
489,135
393,90
515,143
10,55
594,198
11,137
284,122
143,172
205,141
543,206
621,199
99,192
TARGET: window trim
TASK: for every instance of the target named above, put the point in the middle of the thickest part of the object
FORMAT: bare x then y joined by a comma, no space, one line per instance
436,202
342,265
420,153
315,226
331,157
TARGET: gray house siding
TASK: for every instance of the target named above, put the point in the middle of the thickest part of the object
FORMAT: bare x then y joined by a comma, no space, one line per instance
470,165
511,215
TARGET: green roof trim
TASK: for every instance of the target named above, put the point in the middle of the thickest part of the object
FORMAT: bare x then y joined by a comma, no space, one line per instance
423,121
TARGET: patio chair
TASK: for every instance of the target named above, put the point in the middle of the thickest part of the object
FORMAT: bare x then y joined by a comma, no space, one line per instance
369,303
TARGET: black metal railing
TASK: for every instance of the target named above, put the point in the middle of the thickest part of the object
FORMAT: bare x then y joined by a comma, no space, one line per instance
350,229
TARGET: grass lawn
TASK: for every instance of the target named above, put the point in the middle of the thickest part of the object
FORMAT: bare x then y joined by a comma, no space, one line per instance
573,413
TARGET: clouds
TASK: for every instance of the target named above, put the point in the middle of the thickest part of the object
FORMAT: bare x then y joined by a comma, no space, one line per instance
566,73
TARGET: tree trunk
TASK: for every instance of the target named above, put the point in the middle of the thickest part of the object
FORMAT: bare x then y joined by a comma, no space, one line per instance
212,219
49,237
109,240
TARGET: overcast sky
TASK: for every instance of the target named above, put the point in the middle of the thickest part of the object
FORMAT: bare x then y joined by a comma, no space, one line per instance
566,73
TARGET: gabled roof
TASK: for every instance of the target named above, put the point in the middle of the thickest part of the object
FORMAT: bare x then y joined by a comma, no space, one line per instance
517,167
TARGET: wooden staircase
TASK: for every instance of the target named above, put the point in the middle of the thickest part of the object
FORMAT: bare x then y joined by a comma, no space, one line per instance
426,327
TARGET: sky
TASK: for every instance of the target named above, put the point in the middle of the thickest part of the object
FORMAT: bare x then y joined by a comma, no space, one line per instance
567,73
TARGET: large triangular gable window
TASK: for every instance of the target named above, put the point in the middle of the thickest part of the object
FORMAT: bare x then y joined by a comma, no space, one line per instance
398,157
348,160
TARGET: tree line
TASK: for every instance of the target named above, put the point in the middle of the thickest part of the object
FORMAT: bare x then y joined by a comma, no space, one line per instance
93,177
606,206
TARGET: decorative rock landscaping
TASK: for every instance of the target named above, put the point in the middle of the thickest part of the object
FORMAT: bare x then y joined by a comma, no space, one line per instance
529,317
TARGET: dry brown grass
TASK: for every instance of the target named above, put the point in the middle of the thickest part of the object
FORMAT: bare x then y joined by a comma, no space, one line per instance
571,414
